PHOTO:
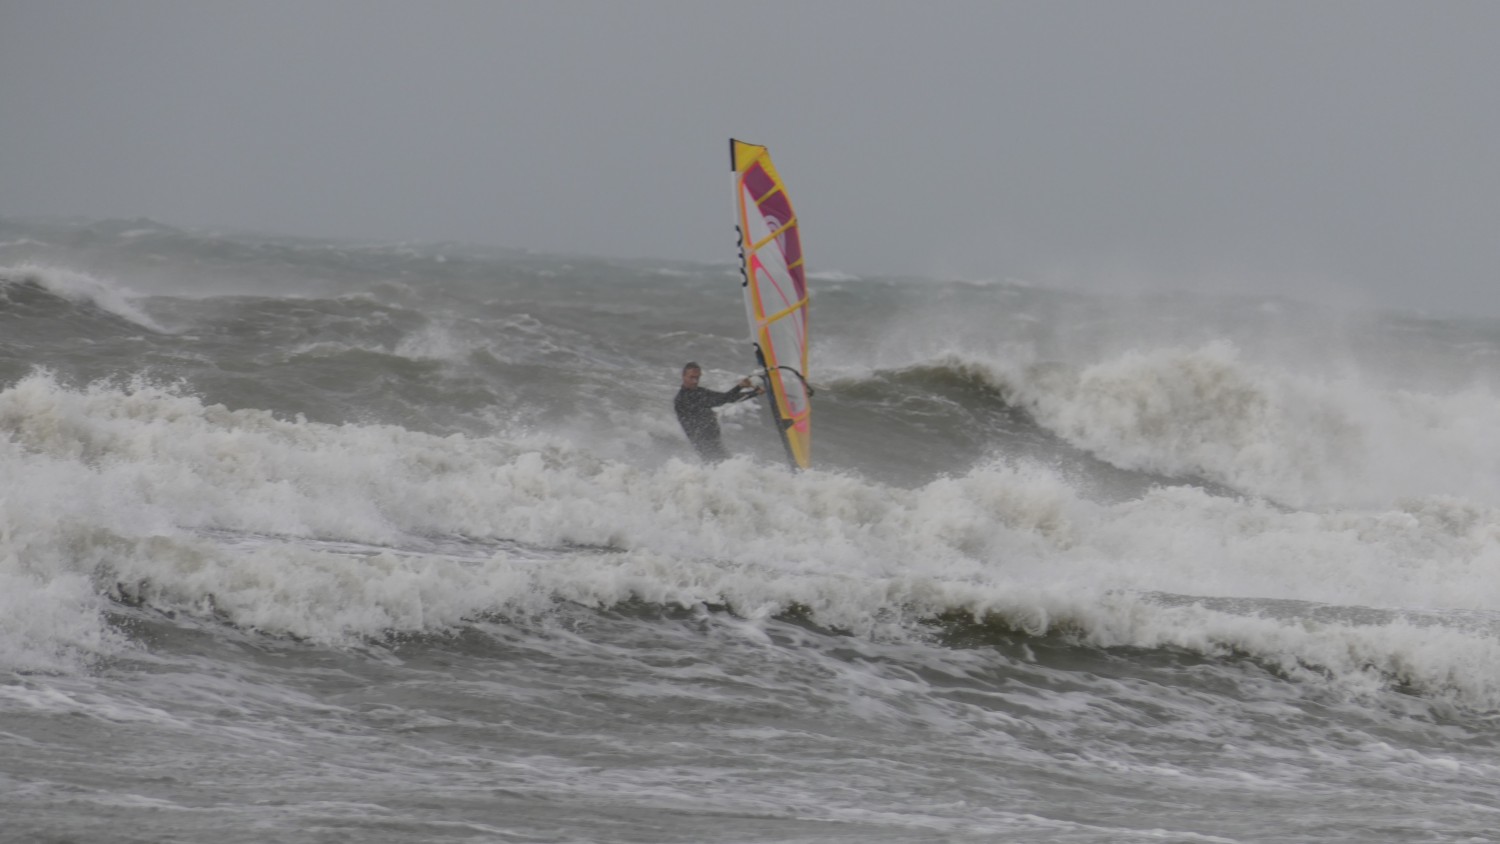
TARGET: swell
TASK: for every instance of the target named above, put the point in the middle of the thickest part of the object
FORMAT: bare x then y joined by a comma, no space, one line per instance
1364,655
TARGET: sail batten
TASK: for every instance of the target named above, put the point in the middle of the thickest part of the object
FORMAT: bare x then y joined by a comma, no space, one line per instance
776,298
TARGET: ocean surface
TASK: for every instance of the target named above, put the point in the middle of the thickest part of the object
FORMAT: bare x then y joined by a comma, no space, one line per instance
308,541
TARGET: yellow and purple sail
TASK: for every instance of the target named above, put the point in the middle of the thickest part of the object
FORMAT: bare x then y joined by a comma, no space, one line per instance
775,283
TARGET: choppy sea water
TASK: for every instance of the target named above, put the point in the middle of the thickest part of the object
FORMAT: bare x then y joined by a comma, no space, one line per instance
311,542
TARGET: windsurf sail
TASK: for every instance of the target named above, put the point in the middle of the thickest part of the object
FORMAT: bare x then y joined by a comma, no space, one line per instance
775,283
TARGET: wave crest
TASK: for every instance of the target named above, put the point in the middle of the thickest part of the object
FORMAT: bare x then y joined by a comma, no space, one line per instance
76,289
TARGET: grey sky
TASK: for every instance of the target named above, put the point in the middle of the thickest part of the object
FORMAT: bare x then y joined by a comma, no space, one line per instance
1348,149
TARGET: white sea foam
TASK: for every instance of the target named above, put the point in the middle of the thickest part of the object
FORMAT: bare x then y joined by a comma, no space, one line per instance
130,490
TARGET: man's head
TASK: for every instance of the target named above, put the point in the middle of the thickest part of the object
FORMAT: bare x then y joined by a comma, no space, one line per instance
691,372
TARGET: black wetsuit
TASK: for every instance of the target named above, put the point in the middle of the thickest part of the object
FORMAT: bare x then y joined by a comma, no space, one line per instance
695,410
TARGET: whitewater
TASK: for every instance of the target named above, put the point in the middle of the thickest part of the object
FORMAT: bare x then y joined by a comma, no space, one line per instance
317,541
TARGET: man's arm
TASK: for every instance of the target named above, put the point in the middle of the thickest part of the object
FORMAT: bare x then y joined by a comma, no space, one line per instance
734,394
739,392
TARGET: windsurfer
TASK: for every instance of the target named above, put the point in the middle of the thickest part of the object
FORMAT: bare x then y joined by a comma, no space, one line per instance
695,410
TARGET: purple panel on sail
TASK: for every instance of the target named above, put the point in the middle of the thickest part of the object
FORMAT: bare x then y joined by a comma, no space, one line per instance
776,209
791,247
799,278
758,181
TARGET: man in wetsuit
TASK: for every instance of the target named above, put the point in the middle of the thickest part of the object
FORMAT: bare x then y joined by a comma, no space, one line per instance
695,410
